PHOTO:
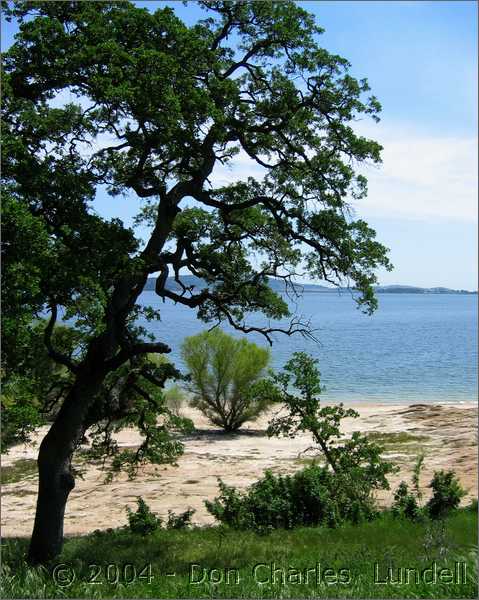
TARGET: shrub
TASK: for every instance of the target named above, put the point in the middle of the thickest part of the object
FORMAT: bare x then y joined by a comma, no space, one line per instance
447,494
175,399
356,462
416,475
318,495
405,503
181,521
143,521
223,372
311,497
472,506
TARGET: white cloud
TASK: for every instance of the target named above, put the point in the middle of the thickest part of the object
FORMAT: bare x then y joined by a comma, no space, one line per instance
423,177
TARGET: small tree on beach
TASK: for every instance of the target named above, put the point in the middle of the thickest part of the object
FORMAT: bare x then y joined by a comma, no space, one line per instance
356,460
223,371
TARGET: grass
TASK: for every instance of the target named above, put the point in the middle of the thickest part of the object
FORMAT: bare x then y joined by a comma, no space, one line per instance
19,470
119,564
396,437
396,441
399,441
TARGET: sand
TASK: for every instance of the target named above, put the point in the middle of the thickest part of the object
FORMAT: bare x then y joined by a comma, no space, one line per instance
446,433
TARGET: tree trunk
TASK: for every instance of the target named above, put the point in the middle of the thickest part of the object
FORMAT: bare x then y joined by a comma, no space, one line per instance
55,484
56,479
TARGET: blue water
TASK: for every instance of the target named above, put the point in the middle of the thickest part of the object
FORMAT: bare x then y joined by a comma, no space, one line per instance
415,348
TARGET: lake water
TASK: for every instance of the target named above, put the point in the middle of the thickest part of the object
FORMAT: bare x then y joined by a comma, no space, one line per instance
415,348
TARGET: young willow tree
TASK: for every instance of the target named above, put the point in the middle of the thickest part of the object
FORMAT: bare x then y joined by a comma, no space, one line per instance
222,372
108,96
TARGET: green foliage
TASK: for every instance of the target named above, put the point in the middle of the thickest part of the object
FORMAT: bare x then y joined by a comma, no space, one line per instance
223,371
142,521
174,102
34,388
181,521
342,490
472,506
418,465
311,497
20,412
175,399
134,395
357,460
405,503
26,250
447,494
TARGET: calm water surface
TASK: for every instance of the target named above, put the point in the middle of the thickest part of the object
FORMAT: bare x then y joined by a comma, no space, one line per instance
414,348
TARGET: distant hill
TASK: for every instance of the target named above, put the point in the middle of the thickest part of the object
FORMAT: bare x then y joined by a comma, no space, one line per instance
410,289
311,288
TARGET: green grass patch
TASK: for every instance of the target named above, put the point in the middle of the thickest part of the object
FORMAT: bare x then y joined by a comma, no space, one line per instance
396,437
19,470
348,562
399,441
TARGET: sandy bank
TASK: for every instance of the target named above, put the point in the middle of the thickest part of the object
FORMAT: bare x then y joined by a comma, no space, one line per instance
446,433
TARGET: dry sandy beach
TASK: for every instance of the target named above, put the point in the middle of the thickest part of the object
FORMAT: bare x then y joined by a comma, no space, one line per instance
446,433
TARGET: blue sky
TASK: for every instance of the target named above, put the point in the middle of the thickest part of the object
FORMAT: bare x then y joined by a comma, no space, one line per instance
421,61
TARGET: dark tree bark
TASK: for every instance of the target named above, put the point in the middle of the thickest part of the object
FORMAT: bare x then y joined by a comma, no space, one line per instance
56,479
55,484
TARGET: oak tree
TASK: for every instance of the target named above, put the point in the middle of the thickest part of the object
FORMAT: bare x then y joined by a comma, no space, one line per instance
108,96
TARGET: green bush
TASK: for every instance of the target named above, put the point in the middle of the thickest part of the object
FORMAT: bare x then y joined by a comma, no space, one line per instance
405,503
223,371
175,399
143,521
447,494
181,521
340,491
311,497
356,463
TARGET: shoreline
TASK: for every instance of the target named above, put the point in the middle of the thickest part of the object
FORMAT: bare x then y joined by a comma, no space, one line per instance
445,432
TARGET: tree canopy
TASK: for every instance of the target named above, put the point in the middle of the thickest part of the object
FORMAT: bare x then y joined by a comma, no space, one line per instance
112,95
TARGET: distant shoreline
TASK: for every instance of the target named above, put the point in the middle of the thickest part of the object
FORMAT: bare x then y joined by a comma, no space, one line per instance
279,286
333,290
423,292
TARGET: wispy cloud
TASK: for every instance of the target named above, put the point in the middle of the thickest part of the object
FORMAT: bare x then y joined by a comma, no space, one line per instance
423,177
